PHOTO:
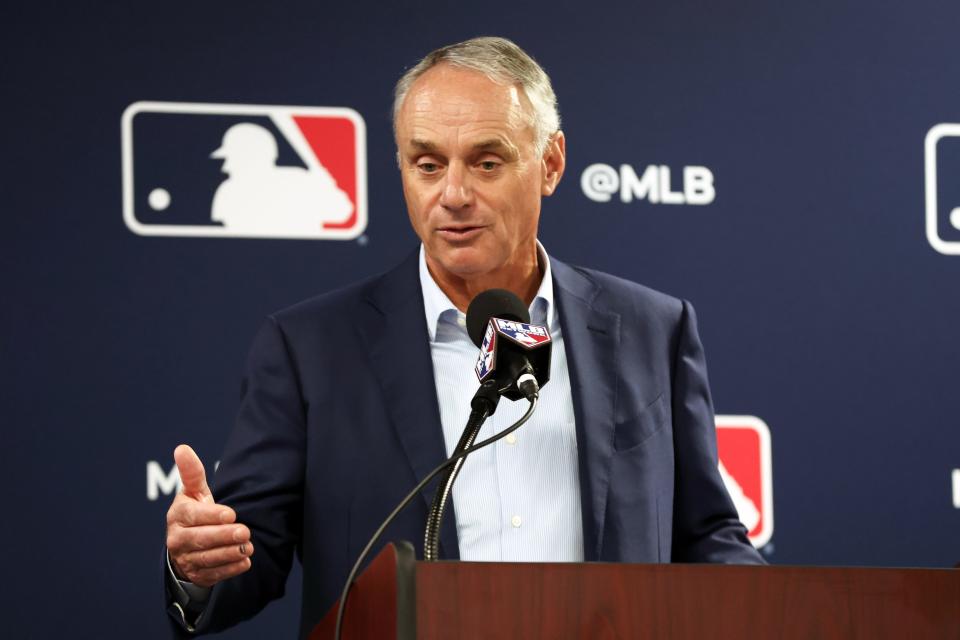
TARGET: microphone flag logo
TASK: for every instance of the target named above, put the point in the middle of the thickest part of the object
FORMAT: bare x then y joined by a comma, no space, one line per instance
526,335
488,352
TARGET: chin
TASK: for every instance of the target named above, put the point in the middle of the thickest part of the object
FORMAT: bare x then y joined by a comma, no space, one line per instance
465,262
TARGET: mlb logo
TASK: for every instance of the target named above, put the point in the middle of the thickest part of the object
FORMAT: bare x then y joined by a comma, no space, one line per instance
744,448
527,335
244,171
488,351
942,186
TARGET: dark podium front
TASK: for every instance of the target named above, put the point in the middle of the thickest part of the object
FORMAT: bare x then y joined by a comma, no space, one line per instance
397,597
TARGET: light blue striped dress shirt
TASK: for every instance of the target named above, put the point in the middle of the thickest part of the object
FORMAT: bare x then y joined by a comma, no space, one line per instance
518,499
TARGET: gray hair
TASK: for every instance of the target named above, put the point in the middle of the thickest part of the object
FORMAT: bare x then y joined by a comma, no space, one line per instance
504,63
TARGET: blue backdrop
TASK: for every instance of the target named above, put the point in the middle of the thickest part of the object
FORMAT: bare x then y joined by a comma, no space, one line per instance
824,306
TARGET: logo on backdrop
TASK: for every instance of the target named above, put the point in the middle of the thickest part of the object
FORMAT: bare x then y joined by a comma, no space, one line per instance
745,466
942,186
656,184
244,171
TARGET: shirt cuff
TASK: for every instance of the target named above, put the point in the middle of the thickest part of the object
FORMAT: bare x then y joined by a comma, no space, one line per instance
187,594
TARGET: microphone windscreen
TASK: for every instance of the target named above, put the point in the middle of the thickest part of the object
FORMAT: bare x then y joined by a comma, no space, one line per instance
493,303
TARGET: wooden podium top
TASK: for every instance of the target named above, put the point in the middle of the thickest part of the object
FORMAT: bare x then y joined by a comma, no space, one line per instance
399,598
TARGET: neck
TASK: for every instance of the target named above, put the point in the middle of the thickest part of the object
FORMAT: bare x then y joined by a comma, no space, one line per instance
522,277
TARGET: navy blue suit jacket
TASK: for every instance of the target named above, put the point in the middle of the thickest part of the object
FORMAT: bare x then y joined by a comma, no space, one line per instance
339,419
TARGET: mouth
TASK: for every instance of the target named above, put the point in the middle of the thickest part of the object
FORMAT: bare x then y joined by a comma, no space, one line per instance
459,233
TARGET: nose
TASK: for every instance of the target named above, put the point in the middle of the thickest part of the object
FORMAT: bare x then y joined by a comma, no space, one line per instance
457,194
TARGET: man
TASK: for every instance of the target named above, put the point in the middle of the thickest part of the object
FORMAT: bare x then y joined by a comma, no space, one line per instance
339,418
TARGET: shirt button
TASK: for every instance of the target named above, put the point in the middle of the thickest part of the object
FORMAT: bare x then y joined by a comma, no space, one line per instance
511,438
462,320
516,521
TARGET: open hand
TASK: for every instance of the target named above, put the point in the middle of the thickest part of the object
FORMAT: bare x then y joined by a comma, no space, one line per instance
204,540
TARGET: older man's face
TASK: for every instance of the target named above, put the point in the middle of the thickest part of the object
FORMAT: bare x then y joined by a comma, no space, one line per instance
471,176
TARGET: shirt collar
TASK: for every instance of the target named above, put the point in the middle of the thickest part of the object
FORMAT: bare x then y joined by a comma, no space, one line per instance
436,303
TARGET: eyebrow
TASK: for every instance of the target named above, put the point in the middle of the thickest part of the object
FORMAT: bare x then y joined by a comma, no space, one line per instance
491,144
496,144
423,145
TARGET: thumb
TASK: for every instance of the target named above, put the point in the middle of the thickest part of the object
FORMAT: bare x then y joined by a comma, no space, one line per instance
192,475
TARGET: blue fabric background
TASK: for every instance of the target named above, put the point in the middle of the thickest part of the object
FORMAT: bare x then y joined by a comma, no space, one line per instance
822,307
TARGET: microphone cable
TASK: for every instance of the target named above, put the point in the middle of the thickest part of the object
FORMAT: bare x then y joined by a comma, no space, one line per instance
483,405
341,608
431,534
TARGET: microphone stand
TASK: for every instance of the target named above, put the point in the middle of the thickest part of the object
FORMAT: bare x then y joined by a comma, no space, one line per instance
342,607
483,405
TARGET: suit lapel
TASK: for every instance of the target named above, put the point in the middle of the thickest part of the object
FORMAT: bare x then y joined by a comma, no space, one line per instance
591,337
394,331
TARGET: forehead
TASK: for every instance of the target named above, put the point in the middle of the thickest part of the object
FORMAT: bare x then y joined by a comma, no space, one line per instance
447,100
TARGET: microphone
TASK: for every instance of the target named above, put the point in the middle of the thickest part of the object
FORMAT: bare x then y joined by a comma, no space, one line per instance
513,352
493,302
345,593
514,362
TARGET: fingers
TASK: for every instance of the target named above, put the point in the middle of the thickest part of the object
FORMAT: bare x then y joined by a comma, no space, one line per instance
182,540
192,474
187,512
207,577
214,558
208,559
205,555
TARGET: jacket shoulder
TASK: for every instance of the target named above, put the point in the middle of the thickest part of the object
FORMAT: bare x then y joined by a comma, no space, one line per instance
619,295
339,302
381,294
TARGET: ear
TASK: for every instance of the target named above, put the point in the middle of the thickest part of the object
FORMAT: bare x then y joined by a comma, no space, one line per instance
553,163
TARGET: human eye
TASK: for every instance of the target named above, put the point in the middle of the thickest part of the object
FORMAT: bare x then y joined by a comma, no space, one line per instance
428,167
488,164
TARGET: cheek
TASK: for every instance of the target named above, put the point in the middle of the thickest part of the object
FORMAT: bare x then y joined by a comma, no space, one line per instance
415,203
524,209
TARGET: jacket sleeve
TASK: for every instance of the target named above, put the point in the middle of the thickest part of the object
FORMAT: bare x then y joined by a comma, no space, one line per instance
260,476
706,527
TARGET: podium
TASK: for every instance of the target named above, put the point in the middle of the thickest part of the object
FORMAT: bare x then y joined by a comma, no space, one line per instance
398,597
